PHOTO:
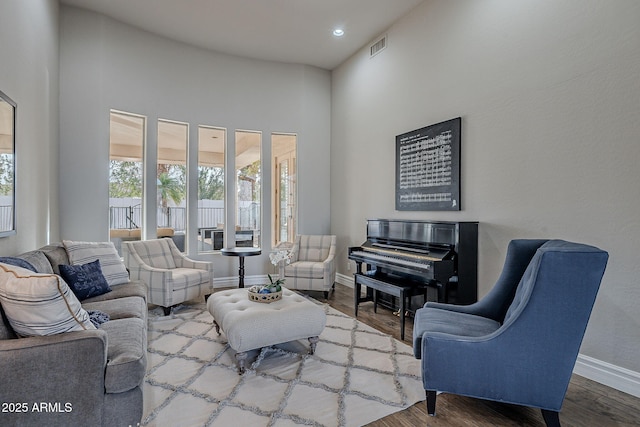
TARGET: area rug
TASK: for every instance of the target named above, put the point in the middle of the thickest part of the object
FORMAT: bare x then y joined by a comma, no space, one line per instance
357,375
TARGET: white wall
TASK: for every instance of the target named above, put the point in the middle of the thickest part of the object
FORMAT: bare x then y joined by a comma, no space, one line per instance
29,76
106,64
549,96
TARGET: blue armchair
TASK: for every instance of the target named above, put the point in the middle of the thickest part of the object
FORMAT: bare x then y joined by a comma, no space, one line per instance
520,342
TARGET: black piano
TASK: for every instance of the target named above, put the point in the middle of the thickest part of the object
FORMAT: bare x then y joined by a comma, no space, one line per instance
404,258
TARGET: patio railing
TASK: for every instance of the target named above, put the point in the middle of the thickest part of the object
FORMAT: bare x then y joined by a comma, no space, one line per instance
130,217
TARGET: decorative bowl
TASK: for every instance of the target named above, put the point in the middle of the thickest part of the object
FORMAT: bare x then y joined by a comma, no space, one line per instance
264,297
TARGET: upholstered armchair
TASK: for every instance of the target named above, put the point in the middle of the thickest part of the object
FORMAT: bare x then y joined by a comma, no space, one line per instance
312,266
171,277
520,342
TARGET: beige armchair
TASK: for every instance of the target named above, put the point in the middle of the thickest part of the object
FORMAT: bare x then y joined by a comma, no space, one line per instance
312,264
171,277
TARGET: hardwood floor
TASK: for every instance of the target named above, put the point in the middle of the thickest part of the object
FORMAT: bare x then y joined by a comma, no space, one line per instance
587,403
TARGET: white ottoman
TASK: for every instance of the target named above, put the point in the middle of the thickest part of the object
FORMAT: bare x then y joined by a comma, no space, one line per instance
251,325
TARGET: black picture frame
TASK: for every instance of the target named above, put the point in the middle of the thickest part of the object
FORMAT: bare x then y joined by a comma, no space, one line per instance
428,168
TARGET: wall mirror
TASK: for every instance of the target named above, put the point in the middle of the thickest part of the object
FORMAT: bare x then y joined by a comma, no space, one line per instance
7,165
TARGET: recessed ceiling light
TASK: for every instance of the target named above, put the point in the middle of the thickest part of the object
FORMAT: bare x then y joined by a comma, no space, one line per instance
338,32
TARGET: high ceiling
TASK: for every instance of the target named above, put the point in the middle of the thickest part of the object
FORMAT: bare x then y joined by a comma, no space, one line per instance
293,31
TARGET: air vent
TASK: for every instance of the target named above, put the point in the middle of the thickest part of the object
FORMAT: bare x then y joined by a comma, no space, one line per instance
378,46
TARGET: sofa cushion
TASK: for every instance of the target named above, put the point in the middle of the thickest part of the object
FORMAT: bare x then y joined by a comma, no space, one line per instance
56,254
120,308
112,266
6,331
85,280
38,260
126,354
182,278
443,321
39,304
305,269
134,288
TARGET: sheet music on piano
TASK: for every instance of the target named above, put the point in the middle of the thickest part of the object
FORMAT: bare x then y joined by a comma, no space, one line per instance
404,258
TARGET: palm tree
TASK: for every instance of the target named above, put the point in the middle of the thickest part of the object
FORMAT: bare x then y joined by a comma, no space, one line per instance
169,188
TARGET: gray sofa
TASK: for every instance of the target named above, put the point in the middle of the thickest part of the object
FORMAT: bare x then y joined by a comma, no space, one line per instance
84,378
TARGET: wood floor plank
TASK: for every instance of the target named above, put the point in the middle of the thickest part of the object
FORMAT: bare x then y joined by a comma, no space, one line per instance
587,403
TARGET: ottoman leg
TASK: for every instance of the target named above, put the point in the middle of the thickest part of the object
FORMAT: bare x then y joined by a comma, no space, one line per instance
313,341
241,357
217,327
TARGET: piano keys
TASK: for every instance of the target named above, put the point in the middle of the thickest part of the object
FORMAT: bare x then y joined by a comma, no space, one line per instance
403,258
399,262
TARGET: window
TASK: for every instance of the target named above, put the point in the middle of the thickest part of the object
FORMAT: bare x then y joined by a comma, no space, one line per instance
284,200
172,180
129,196
248,188
211,214
126,143
7,166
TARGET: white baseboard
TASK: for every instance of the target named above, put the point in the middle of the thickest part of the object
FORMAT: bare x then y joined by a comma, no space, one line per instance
596,370
232,282
344,279
613,376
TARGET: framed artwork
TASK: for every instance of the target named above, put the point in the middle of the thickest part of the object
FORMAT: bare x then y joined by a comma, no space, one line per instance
428,168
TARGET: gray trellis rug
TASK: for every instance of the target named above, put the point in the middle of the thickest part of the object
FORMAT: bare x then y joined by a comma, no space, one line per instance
357,375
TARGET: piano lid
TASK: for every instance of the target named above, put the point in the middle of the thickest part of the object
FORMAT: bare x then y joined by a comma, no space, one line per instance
413,232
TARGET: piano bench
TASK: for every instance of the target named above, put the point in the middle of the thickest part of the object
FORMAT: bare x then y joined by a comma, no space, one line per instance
402,292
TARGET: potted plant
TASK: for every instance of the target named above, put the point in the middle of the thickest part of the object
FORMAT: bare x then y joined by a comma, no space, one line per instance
274,285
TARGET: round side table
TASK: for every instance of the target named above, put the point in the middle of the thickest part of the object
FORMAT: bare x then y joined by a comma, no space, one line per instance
241,253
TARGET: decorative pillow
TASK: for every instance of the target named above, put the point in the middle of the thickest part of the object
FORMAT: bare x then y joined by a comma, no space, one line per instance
98,317
85,280
39,304
112,266
19,262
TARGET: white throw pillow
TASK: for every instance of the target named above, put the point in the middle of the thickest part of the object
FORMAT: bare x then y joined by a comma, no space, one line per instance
112,266
39,304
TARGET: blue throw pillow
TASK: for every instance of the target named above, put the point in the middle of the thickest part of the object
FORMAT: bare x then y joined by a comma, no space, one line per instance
18,262
98,317
85,280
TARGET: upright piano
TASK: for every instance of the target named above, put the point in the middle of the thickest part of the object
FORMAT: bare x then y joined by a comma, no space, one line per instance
404,258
